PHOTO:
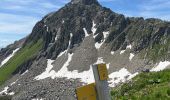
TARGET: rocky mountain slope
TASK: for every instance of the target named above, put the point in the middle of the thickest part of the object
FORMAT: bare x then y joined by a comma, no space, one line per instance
57,56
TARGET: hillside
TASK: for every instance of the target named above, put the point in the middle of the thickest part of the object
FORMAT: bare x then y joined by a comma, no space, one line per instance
57,56
145,86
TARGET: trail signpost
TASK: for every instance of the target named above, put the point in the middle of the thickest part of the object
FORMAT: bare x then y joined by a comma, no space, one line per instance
98,90
87,92
102,71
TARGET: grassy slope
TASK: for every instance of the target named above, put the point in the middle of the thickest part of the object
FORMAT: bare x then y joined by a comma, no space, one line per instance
146,86
19,58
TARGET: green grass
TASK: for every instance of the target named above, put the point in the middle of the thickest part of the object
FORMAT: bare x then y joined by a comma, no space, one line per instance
19,58
145,86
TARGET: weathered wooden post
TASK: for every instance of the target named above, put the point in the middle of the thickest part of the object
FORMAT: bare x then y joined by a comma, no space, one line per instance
102,86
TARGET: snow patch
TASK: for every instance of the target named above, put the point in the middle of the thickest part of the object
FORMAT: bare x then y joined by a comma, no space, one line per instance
14,82
9,57
111,24
47,28
63,22
131,56
120,76
123,51
108,65
112,52
94,36
129,47
86,76
105,34
5,91
56,37
71,35
24,73
37,99
99,60
62,53
98,45
48,72
85,31
64,68
161,66
93,29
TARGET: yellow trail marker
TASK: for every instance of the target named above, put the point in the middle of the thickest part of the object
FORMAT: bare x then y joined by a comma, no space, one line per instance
103,73
87,92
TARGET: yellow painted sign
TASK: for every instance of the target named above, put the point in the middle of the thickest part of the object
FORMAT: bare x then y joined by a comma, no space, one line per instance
103,73
87,92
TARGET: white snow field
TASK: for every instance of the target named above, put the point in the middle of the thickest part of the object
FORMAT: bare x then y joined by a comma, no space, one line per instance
85,76
9,57
161,66
120,76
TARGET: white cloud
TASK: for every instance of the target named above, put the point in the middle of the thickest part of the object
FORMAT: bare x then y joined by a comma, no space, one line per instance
4,42
20,16
10,23
155,9
49,5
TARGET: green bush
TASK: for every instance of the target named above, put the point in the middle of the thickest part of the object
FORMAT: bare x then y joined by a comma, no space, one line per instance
145,86
168,92
158,95
113,92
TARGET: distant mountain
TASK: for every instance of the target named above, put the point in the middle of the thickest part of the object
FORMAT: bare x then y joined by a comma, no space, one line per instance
57,56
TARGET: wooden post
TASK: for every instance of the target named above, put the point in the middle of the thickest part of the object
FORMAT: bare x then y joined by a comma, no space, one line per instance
102,85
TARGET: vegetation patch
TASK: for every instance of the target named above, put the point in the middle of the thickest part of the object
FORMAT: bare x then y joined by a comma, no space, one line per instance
23,55
145,86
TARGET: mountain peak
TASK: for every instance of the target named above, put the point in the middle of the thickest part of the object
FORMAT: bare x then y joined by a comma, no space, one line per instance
86,2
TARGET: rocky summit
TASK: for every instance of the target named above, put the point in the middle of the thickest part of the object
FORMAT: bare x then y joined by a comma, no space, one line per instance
57,56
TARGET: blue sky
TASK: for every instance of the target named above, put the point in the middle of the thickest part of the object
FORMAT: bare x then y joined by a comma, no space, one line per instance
17,17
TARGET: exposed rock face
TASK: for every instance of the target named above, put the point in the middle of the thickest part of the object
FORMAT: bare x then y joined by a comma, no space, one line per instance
87,31
86,2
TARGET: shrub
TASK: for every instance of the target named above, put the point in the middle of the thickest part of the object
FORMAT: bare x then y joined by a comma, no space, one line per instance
168,92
